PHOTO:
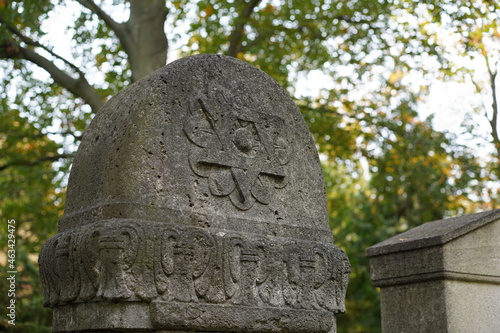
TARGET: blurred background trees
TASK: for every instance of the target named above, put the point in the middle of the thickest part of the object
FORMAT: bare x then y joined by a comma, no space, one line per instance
361,72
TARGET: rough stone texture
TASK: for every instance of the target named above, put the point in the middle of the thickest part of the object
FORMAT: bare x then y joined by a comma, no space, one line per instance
414,307
196,202
443,276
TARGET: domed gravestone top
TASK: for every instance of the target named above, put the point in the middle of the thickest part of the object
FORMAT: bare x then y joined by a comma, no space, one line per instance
196,202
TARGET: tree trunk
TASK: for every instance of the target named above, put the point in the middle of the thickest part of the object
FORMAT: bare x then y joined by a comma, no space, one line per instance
239,28
147,43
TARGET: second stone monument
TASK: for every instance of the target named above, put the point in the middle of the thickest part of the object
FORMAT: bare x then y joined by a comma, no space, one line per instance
196,202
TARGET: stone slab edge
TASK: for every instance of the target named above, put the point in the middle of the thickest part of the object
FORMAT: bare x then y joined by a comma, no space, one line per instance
446,275
210,317
100,315
433,233
158,316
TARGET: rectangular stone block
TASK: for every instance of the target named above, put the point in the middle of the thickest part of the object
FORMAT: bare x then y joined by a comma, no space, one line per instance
442,276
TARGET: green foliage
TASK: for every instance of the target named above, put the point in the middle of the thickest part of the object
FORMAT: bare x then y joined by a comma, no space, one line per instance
385,173
386,169
31,195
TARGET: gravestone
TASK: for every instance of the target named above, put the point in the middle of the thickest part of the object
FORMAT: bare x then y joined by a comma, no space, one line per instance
443,276
196,202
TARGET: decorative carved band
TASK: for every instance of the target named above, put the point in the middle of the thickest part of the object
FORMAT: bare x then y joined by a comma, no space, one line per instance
123,260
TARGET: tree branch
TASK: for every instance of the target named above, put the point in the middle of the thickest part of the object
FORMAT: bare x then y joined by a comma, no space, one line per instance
494,117
118,28
349,19
31,42
51,158
492,72
64,133
478,89
79,87
241,21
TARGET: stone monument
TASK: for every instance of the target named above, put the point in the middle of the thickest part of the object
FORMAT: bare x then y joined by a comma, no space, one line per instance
443,276
196,202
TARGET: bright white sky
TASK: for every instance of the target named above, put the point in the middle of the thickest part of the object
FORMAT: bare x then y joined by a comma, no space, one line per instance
449,102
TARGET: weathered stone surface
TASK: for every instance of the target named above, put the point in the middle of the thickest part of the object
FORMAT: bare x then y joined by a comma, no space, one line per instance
442,276
196,202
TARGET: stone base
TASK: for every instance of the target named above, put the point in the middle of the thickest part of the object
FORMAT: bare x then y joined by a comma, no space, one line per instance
175,317
101,316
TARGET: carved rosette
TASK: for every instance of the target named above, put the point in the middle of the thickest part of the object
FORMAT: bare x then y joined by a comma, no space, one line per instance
243,152
127,261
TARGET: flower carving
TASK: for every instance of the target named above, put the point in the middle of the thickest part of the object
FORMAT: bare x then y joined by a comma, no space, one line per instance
243,153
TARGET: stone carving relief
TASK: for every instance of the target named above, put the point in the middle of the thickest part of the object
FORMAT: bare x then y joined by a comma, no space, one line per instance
244,259
147,262
242,152
201,208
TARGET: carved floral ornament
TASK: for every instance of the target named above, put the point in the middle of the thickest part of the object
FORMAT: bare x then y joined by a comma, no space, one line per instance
120,261
242,152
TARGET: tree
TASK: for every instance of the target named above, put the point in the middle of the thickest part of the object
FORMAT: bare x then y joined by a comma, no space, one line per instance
472,35
32,196
378,57
481,41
